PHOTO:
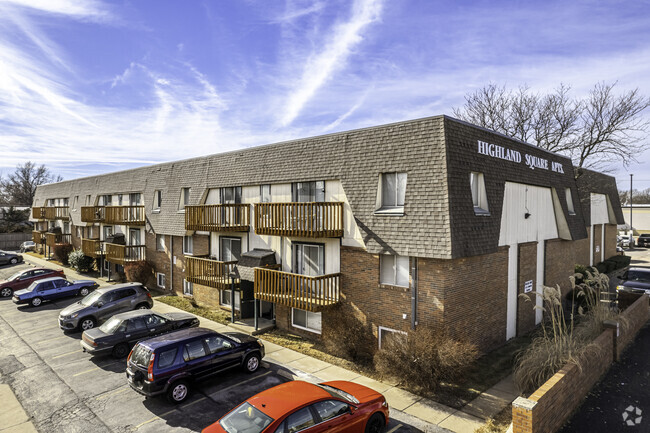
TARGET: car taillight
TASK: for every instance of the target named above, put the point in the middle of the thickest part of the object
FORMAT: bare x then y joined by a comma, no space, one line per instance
150,368
148,295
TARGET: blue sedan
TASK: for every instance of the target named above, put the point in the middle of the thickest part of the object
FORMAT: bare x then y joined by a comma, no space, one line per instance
49,289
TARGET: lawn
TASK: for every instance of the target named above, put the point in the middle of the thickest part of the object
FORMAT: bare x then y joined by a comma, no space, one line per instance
190,306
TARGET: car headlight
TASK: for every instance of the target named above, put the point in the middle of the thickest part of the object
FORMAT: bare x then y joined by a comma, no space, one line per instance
260,343
619,288
73,315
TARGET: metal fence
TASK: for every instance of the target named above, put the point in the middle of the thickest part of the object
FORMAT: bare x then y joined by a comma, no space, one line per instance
12,241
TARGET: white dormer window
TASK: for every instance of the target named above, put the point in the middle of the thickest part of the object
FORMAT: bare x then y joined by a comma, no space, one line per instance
157,200
185,199
479,196
569,202
392,193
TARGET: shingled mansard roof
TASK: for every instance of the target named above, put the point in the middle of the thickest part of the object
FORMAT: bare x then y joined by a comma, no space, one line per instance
437,153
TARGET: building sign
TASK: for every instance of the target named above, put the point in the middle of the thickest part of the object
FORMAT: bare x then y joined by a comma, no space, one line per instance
532,161
528,286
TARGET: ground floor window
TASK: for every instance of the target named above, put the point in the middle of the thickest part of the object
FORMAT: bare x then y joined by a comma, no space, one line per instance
107,265
188,288
306,320
160,278
224,298
387,333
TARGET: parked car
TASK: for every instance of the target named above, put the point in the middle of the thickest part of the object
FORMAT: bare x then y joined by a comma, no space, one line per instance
27,246
173,363
123,330
104,303
339,406
643,240
49,289
22,279
10,258
626,241
635,280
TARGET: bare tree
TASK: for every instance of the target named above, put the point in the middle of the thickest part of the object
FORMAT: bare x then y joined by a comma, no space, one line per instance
20,186
639,196
600,128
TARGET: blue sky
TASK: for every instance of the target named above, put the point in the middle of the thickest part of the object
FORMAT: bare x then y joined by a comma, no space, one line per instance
88,87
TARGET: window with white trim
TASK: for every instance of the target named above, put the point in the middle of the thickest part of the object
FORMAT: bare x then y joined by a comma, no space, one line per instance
394,270
391,193
188,245
265,193
384,333
185,199
225,298
188,288
75,202
157,200
479,196
307,320
569,202
230,248
160,242
160,280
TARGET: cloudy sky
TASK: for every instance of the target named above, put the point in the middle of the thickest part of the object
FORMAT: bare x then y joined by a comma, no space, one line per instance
89,87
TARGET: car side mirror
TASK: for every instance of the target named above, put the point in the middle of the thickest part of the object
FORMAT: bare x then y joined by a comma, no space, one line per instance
99,304
351,409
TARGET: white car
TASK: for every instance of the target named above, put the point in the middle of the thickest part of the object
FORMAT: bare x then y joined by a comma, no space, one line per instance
27,246
626,241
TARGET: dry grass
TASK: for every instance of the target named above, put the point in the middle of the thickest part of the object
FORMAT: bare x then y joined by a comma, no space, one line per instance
188,305
498,424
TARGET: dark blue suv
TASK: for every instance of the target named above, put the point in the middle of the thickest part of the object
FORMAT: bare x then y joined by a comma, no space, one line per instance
171,363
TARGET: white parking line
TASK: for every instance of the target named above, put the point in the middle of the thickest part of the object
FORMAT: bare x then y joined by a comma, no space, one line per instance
394,428
124,388
66,354
87,371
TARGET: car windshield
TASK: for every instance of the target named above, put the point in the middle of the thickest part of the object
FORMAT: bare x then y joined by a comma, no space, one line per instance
15,276
90,299
245,419
140,356
111,325
335,392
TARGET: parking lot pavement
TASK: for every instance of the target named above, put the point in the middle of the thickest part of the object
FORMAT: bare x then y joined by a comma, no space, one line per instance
64,389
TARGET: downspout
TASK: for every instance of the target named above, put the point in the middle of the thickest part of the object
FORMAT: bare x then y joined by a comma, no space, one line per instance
171,263
414,293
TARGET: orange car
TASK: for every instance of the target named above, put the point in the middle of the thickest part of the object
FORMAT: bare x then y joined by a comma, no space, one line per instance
336,407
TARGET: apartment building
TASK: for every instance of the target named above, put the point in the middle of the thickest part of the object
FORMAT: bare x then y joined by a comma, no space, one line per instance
429,222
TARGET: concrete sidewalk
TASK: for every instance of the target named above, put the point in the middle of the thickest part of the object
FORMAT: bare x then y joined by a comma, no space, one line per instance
304,367
13,418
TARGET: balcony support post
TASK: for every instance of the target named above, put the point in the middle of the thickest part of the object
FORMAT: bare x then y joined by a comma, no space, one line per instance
232,299
256,310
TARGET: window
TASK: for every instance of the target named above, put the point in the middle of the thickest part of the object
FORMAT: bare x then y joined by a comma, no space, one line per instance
160,242
393,193
154,320
308,191
75,202
105,200
218,344
194,350
569,202
136,324
135,198
167,358
108,231
157,200
185,199
78,232
107,265
387,333
300,420
88,202
188,288
66,228
224,298
394,270
231,195
230,249
306,320
120,199
188,245
309,259
479,197
265,193
160,278
329,409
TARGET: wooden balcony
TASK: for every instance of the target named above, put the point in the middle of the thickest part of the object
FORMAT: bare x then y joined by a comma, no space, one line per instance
38,237
92,214
92,247
297,291
52,239
51,213
218,218
311,220
209,272
121,254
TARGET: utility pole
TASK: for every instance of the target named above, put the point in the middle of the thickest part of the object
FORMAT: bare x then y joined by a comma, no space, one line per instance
631,227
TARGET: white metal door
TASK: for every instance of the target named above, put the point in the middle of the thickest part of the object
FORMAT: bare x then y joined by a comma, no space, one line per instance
511,307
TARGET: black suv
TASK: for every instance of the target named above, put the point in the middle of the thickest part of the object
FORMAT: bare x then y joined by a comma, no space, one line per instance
635,280
169,364
643,240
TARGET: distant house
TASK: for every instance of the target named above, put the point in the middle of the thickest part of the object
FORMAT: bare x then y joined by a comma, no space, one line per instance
640,217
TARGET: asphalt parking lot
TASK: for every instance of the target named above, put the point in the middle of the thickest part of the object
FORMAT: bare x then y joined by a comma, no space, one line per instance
64,389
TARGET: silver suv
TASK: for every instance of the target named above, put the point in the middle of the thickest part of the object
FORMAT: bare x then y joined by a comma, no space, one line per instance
104,303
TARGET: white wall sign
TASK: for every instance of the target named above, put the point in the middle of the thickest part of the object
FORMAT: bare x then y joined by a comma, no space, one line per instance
528,286
597,248
531,161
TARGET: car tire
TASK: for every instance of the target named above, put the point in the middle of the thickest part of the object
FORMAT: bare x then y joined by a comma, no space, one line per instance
120,350
252,363
375,424
178,392
13,261
35,302
86,323
6,292
143,306
83,291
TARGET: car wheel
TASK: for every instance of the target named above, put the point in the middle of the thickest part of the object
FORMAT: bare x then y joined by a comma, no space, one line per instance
120,350
6,292
142,307
178,392
36,302
83,291
375,424
252,363
13,261
87,323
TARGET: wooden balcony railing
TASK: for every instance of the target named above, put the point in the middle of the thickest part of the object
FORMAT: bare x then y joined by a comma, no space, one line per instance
51,212
129,215
92,214
38,236
121,254
218,217
297,291
92,247
52,239
314,220
209,272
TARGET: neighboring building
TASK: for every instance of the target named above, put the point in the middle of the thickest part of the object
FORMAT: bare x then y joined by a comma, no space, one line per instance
640,218
425,222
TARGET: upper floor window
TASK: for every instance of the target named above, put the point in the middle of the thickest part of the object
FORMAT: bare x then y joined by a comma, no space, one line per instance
75,202
392,193
231,195
188,245
66,202
105,200
569,202
479,196
120,199
157,200
185,198
394,270
135,199
308,191
88,200
265,193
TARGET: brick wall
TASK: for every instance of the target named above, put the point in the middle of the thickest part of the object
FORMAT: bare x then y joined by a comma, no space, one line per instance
610,240
527,271
581,251
635,316
597,237
560,263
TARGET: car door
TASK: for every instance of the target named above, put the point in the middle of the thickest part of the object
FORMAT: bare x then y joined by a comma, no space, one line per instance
25,280
59,289
224,352
197,358
336,416
46,290
303,420
157,324
127,299
136,329
109,304
3,259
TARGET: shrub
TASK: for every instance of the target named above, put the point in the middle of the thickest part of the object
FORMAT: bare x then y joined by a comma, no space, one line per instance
80,262
621,261
425,357
62,251
139,271
349,336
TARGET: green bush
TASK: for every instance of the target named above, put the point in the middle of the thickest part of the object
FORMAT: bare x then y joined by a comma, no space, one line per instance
620,261
139,271
61,252
80,262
